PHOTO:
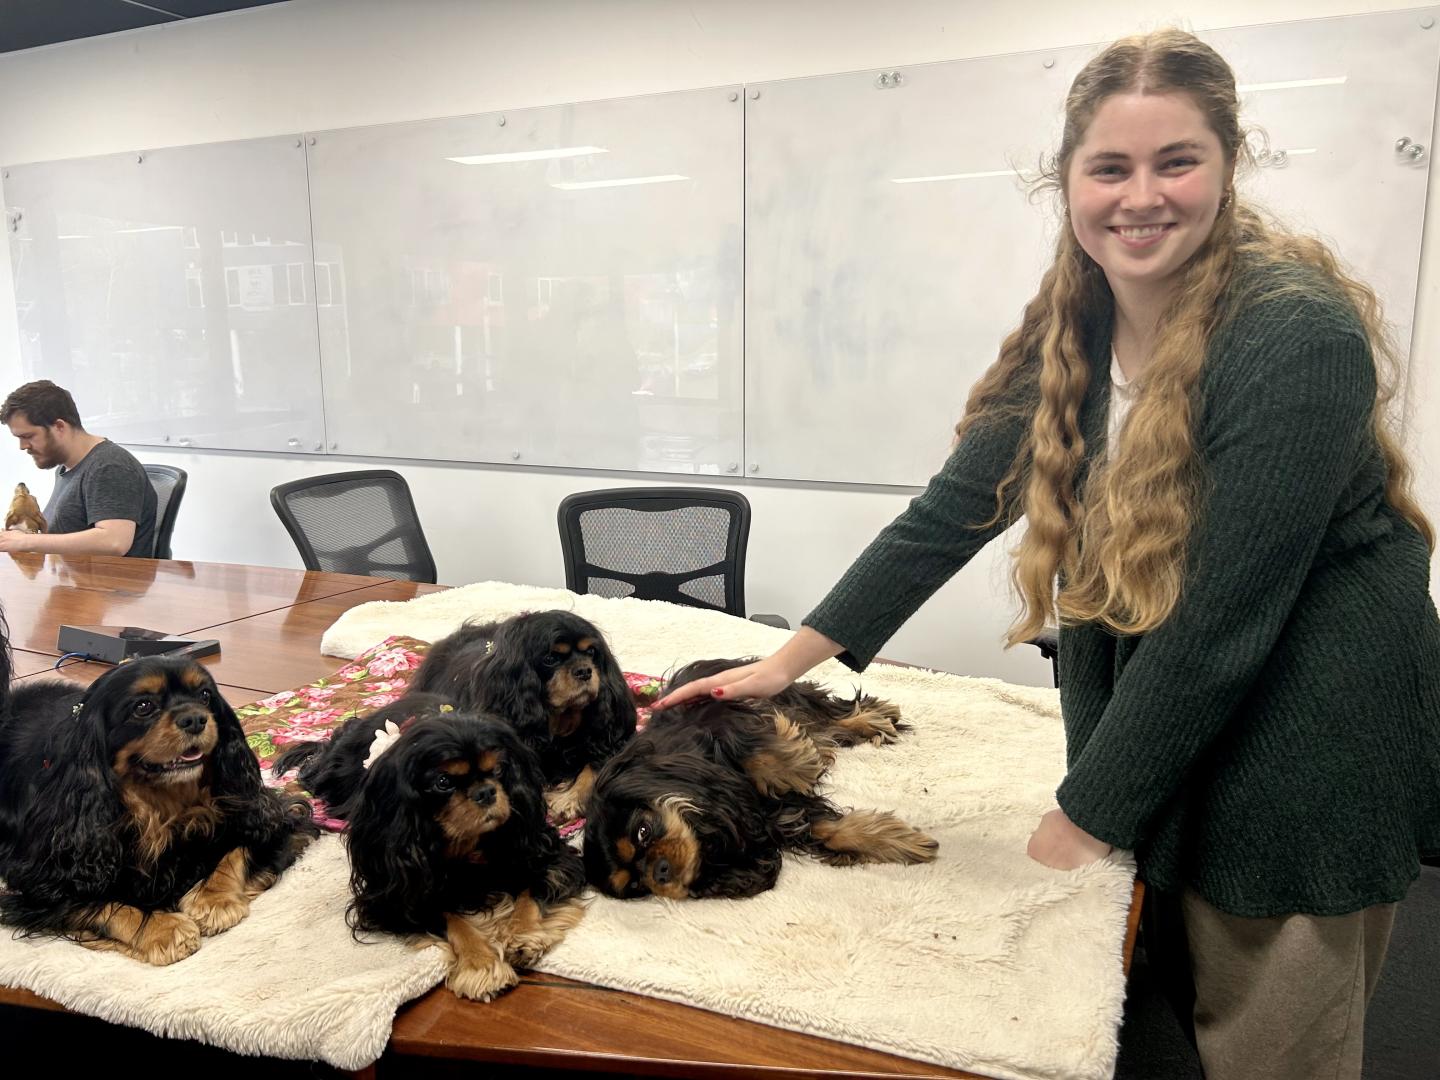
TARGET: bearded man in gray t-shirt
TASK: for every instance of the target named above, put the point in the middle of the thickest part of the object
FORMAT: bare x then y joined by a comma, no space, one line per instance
102,503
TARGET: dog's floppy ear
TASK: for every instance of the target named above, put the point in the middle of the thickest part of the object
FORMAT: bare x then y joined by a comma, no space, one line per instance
393,850
235,772
615,706
512,686
68,843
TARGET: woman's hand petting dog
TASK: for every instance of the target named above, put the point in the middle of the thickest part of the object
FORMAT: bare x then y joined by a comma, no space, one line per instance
706,799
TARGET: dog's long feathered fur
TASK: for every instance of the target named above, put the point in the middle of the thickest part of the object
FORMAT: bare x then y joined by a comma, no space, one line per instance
552,676
102,842
447,836
706,799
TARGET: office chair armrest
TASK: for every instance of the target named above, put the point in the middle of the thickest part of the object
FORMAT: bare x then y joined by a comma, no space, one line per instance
777,621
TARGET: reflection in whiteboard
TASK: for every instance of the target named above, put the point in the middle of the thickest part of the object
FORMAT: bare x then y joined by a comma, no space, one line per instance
559,289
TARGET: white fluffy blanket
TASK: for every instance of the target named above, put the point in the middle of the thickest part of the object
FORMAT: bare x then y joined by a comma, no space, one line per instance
287,982
983,960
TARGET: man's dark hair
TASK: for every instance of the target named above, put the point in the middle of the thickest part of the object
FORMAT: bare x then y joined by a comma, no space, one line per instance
43,403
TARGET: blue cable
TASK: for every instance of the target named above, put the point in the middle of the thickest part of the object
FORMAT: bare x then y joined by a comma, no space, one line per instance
71,656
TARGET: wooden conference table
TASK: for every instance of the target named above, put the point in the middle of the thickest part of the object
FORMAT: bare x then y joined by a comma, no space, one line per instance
269,622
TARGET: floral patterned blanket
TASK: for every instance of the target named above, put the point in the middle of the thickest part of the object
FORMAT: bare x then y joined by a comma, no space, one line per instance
371,681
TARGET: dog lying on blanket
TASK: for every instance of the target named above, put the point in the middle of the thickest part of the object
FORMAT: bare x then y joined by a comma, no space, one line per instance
553,677
133,818
447,836
706,799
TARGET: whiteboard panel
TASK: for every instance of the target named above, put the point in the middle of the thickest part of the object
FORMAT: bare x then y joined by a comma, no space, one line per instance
890,246
170,292
550,286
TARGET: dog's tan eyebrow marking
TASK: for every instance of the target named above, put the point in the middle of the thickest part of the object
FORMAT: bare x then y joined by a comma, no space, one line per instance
148,684
625,849
456,768
489,761
560,647
585,643
193,677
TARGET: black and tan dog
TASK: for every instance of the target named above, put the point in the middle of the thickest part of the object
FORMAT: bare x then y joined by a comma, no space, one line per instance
706,799
447,835
553,677
132,814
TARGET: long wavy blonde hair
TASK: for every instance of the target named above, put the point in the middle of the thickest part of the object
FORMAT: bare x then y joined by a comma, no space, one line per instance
1118,548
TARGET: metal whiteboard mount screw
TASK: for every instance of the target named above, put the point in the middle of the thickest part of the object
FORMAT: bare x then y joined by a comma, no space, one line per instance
888,80
311,140
299,142
1413,150
166,438
501,121
7,174
734,95
139,159
1426,22
734,466
754,95
514,455
185,442
334,446
319,446
294,444
755,468
1048,62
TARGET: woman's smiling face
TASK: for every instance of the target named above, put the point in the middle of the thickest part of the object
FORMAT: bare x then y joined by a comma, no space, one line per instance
1144,186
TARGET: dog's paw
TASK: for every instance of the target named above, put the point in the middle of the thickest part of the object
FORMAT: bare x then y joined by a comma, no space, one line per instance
874,721
533,932
215,913
165,937
565,804
482,981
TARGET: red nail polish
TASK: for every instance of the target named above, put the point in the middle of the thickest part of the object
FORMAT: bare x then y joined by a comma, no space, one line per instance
718,692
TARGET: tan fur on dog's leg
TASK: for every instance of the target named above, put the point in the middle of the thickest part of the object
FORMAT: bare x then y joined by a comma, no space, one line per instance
222,899
161,938
478,970
792,761
568,803
873,836
533,932
874,720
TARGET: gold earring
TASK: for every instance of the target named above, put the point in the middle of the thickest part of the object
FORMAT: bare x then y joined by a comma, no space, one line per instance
1225,200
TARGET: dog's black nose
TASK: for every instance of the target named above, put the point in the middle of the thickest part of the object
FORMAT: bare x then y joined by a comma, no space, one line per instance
581,673
484,794
191,723
661,871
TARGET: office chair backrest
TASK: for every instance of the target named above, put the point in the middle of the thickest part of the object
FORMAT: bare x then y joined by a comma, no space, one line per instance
169,485
360,522
685,545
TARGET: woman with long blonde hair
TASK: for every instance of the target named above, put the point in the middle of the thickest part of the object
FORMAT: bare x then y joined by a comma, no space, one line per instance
1191,418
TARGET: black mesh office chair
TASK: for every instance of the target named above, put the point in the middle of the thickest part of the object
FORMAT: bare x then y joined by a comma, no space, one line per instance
685,545
169,485
360,522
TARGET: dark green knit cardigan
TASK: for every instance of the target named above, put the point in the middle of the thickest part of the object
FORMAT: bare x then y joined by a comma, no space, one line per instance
1275,744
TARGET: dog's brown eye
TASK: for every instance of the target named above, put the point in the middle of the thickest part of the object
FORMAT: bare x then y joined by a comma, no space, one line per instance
444,784
143,708
551,660
204,697
643,832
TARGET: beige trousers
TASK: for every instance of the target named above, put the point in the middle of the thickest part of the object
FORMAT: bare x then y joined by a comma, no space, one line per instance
1283,998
